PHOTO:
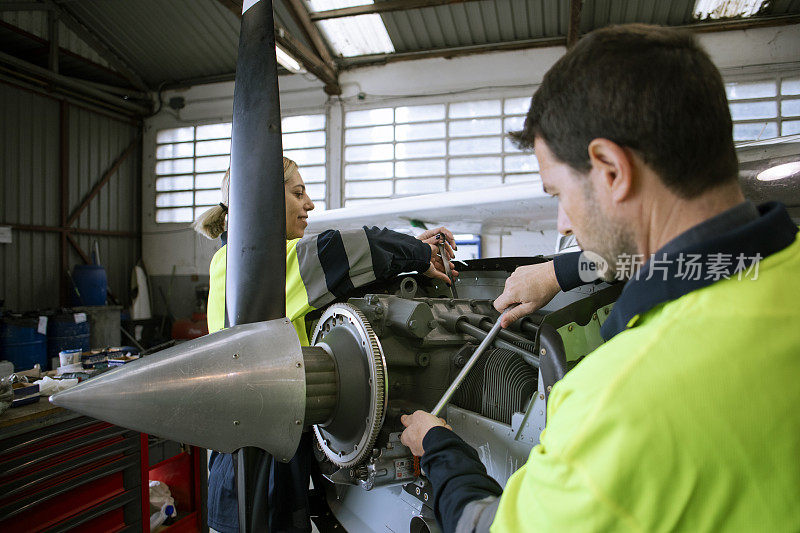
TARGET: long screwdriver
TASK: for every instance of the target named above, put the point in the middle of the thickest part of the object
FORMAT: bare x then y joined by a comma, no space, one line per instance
487,340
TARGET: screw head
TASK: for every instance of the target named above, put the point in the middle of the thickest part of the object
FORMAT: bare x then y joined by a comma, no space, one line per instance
235,422
298,365
236,356
297,422
542,351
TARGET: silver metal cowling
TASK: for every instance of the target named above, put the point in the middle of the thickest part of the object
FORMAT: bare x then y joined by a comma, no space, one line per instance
242,386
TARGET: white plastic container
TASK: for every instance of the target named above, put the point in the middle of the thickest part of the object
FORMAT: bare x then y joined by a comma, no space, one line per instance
157,519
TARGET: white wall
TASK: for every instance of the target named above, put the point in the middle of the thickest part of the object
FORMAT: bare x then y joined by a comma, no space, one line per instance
736,53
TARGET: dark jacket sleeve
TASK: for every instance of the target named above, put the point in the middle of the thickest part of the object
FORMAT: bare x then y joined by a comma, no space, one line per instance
334,262
457,475
566,267
393,252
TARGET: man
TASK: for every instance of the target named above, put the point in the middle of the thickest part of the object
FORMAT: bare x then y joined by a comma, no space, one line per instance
684,419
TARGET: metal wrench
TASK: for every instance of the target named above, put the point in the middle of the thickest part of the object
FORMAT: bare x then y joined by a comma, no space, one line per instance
472,360
446,261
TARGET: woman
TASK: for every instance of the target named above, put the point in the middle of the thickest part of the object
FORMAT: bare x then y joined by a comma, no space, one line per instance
319,270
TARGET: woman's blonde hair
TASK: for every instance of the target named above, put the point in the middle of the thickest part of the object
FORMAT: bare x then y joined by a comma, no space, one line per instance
211,223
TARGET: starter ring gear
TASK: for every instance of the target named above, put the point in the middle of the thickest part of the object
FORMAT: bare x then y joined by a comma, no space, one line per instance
347,439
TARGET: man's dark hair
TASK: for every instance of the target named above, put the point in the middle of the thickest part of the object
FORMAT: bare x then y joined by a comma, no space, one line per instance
649,88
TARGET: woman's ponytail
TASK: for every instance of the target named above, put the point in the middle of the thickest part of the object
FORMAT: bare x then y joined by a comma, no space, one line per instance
211,223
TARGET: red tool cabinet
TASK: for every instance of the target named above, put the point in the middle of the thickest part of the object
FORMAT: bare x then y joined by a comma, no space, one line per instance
60,471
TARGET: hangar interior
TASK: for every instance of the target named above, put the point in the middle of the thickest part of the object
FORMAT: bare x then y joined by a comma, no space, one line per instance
413,120
117,119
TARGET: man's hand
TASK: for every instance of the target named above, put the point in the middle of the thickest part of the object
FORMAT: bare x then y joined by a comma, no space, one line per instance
432,238
417,426
532,287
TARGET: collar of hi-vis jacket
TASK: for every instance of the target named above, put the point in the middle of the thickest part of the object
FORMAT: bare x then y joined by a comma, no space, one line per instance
713,259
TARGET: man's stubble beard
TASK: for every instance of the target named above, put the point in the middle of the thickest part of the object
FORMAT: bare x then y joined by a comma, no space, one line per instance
608,238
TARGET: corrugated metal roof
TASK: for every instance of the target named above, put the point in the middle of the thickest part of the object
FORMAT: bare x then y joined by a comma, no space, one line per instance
784,7
35,23
174,40
599,13
475,23
166,40
498,21
178,40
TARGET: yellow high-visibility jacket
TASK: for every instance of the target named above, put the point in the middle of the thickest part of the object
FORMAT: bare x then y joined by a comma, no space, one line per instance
684,420
327,266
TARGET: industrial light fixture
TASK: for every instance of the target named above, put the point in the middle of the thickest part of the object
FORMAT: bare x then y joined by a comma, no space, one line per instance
721,9
779,172
353,36
287,61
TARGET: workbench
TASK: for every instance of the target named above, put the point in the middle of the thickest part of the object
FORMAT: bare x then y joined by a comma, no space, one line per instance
61,471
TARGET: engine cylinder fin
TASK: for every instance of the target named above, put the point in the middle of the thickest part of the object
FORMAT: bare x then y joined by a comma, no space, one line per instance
321,385
498,386
508,383
470,394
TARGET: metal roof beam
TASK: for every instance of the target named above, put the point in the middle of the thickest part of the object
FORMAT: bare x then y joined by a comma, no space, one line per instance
301,16
380,59
574,28
307,57
99,45
741,24
381,7
71,83
312,62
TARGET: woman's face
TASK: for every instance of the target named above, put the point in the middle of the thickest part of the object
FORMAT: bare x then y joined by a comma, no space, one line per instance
298,204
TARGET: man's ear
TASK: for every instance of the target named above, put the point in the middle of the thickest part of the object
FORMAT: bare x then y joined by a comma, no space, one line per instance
612,167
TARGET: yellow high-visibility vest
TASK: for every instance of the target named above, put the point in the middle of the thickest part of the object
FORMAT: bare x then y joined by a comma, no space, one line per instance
297,305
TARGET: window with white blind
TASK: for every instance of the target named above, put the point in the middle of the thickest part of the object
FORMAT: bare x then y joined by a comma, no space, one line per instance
191,162
765,108
391,152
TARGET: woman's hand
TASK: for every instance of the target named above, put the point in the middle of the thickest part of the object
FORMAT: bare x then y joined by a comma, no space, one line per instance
433,237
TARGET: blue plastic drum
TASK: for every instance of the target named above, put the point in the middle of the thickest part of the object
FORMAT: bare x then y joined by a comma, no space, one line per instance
21,344
90,285
63,333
